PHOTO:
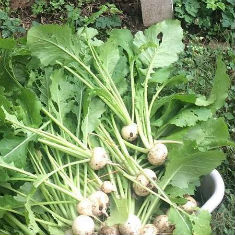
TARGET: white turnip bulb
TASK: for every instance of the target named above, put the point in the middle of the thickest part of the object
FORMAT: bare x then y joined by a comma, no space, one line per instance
99,158
83,225
131,227
130,132
157,154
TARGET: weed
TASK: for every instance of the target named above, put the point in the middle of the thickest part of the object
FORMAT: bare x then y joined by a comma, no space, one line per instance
212,17
9,27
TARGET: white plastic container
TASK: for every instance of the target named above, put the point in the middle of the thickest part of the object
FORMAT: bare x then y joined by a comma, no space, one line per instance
212,189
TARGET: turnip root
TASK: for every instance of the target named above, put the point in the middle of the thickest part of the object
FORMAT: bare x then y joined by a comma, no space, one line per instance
84,207
143,180
148,229
107,187
157,154
83,225
163,225
190,205
99,158
130,132
131,227
100,202
109,230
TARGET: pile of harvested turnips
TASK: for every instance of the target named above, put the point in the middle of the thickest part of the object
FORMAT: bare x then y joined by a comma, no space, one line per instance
99,137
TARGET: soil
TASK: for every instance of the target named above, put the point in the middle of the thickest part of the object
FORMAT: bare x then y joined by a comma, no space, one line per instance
131,17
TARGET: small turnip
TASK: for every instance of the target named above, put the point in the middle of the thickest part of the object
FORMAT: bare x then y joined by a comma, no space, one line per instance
143,180
100,202
191,204
157,154
163,225
148,229
83,225
99,158
84,207
130,132
109,230
131,227
107,187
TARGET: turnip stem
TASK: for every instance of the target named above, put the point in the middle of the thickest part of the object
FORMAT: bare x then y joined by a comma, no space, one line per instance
15,221
64,129
77,154
141,132
146,107
132,89
154,98
135,147
110,81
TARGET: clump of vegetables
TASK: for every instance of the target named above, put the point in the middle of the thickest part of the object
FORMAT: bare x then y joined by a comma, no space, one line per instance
90,142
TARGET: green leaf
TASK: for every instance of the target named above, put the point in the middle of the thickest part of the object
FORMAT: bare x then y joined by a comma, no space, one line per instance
174,191
92,118
186,164
161,75
115,64
154,53
31,107
186,98
50,43
182,223
7,43
178,79
124,39
8,202
201,223
66,99
14,149
207,135
118,212
220,87
190,116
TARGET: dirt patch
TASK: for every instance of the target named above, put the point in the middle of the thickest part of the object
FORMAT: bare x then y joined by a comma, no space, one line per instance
20,4
131,17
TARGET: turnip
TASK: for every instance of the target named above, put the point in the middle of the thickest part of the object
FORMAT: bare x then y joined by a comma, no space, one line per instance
99,158
131,227
157,154
148,229
83,225
130,132
109,230
163,225
100,202
143,180
84,207
191,204
107,187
